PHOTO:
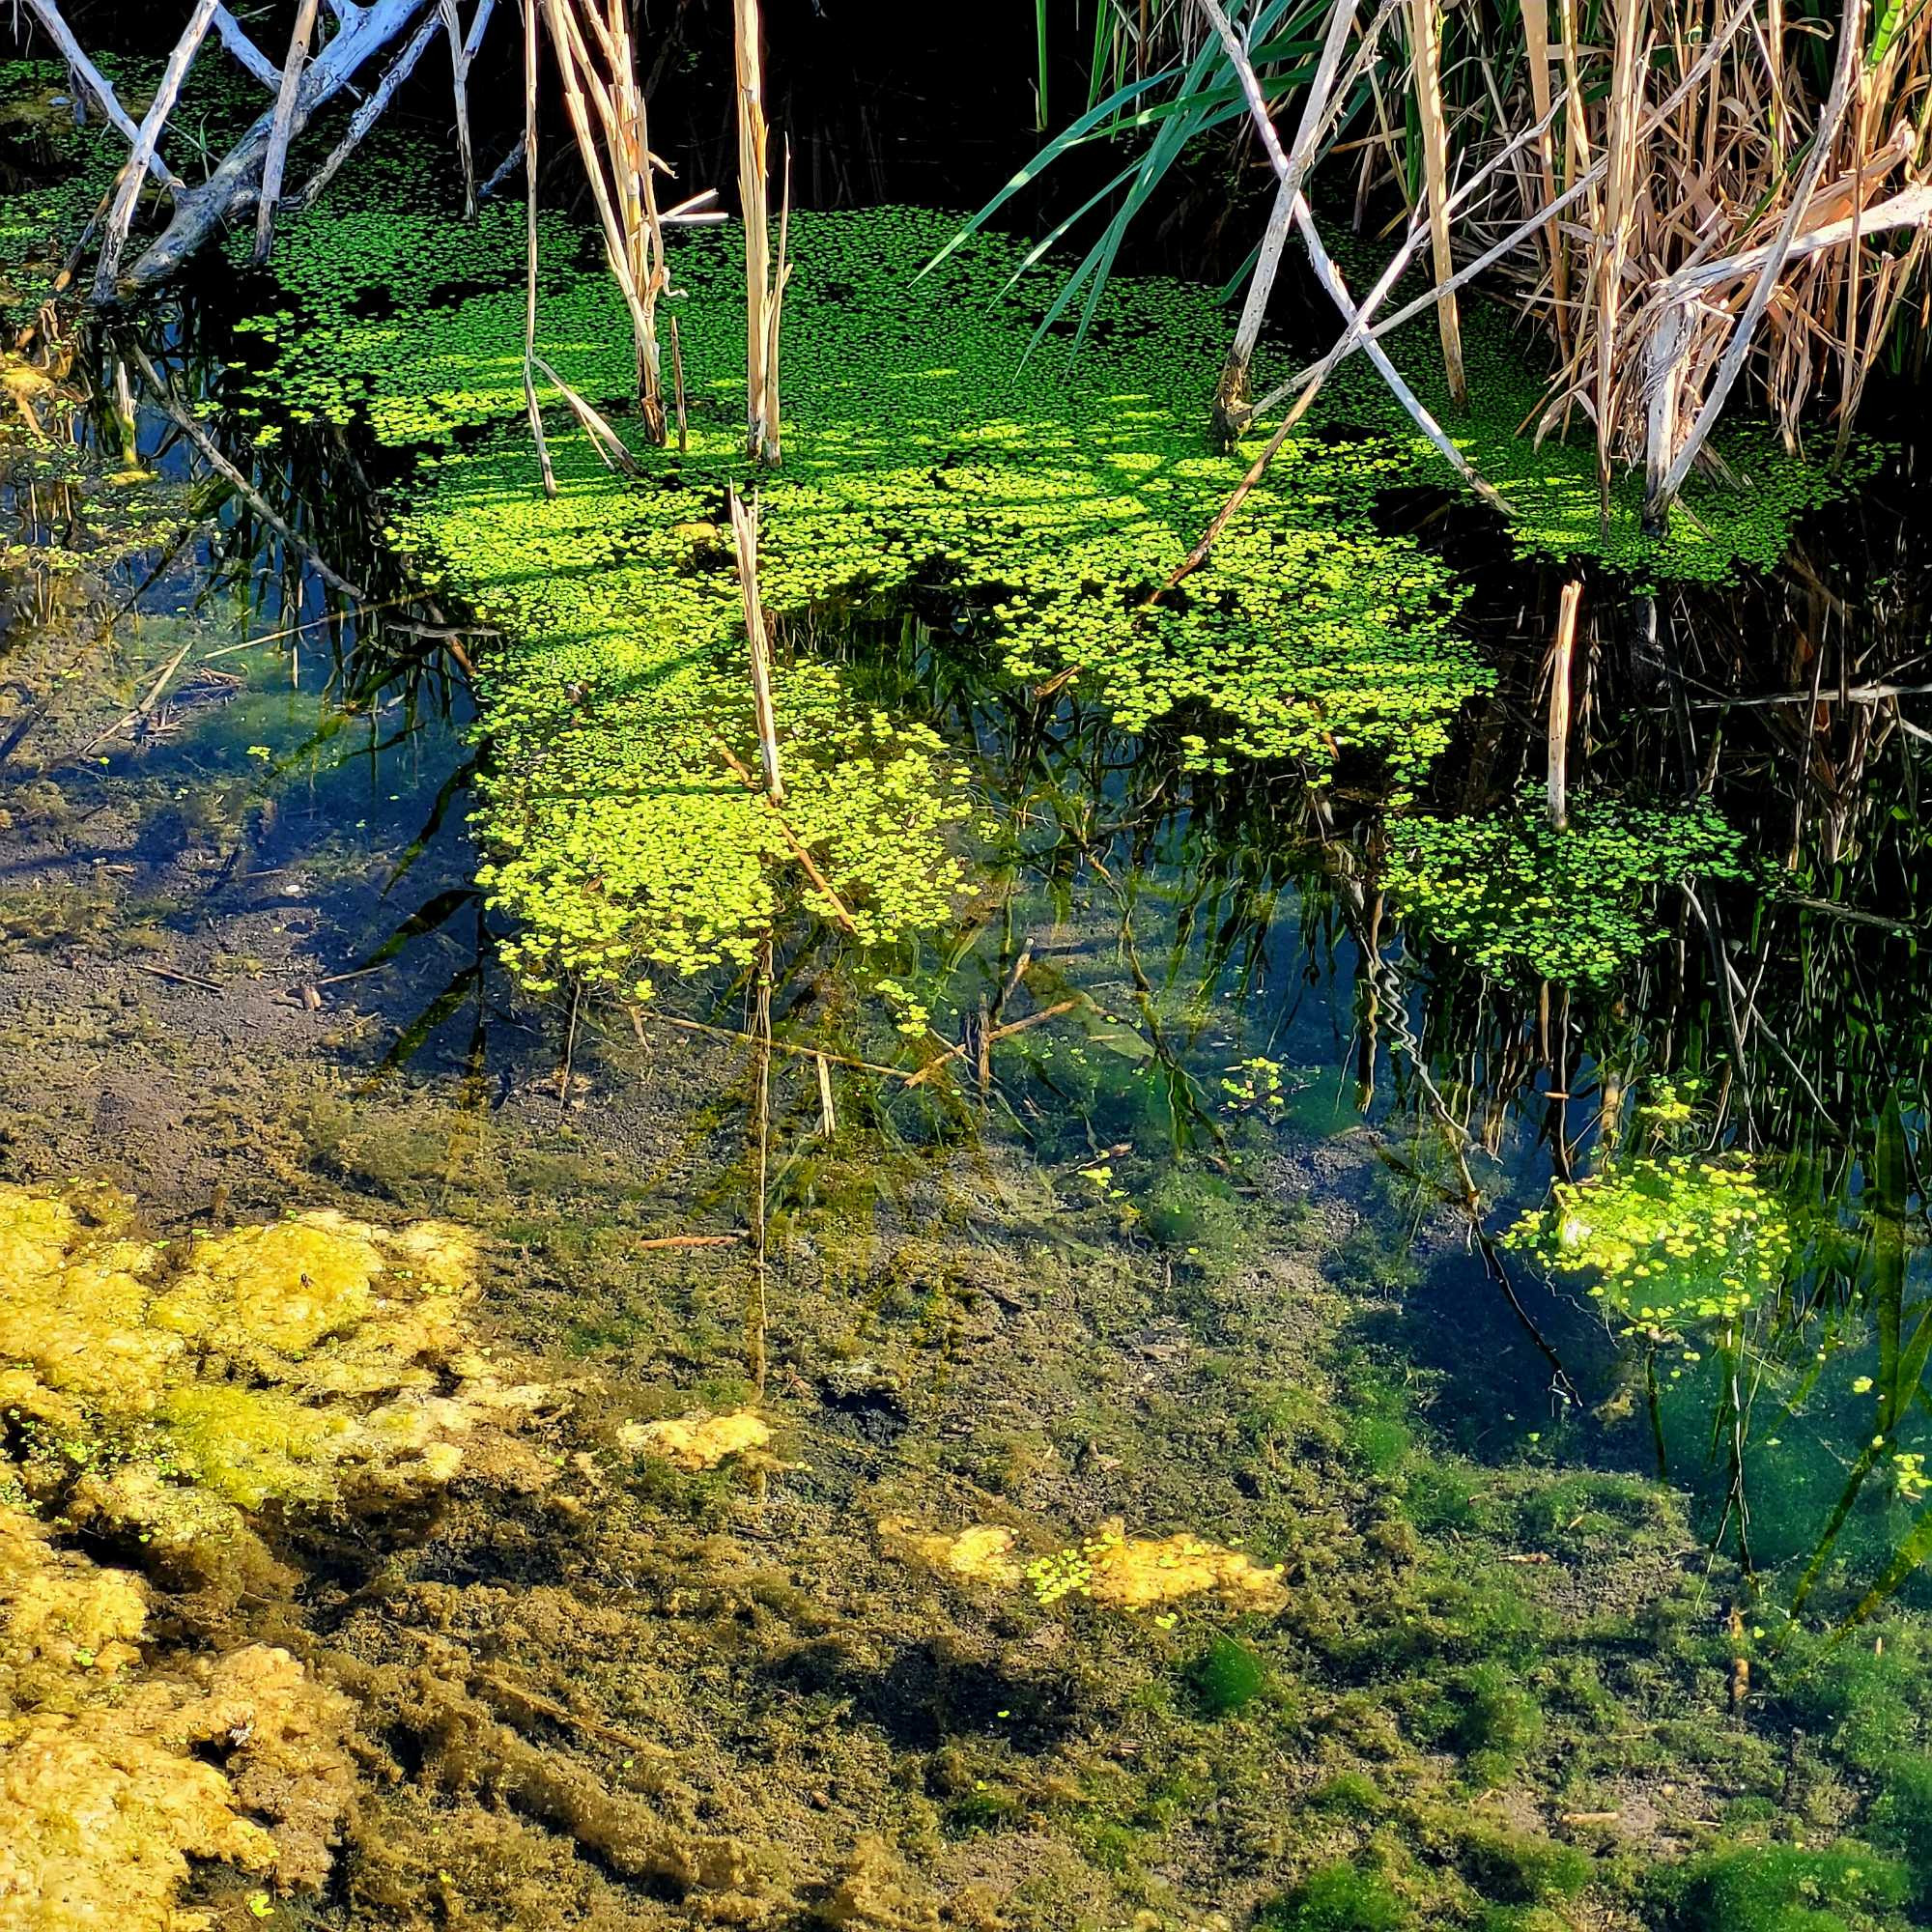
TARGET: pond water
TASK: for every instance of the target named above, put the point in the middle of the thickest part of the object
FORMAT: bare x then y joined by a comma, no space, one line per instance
1601,1609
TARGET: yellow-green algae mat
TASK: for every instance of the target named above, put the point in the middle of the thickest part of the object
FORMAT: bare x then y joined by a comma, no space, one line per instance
923,440
169,1397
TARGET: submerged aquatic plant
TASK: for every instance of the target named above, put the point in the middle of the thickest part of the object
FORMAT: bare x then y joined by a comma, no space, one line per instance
700,1441
117,1776
1524,899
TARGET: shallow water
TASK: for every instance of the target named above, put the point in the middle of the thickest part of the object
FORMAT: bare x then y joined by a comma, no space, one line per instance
1179,1234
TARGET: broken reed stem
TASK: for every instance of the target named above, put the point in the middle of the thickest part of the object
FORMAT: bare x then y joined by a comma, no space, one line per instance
605,440
1425,33
643,227
773,452
755,204
275,161
626,229
1851,43
1356,321
756,1313
1231,395
1562,652
846,924
147,138
828,1113
744,531
530,402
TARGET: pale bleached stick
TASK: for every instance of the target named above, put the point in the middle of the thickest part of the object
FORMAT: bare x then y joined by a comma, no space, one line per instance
1851,51
147,138
275,162
97,84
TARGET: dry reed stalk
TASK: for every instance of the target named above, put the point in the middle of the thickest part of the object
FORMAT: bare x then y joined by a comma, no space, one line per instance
275,161
1536,54
1611,241
1425,33
1326,271
617,160
1657,506
1562,651
753,200
840,916
1231,413
147,138
461,51
744,531
773,450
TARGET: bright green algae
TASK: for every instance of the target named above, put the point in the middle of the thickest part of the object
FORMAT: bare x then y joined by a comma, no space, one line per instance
922,442
919,444
1576,905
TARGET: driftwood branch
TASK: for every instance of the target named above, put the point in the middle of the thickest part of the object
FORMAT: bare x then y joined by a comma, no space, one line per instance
234,188
282,130
147,138
238,44
370,111
48,15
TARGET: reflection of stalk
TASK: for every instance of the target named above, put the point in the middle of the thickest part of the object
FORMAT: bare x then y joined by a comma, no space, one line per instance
1730,1425
1561,653
1653,1401
757,639
761,1150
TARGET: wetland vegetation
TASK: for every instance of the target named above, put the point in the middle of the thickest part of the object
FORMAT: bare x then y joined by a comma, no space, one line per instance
869,1066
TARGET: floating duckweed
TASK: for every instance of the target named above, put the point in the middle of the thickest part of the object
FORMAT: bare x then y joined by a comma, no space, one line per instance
1674,1239
921,444
1525,900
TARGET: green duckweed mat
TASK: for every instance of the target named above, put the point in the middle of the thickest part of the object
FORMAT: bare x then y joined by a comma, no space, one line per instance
922,444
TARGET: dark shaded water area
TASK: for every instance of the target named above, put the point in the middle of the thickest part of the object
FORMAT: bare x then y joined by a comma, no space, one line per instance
1197,1221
